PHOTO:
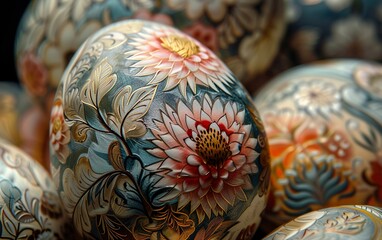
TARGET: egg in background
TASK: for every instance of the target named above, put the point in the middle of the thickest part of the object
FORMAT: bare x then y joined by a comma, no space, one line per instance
30,205
244,34
324,127
23,123
342,222
152,136
327,29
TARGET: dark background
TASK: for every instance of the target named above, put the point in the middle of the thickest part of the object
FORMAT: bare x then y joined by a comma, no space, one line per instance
10,19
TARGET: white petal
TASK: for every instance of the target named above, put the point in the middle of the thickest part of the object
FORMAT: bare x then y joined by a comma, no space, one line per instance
193,160
191,144
203,170
215,126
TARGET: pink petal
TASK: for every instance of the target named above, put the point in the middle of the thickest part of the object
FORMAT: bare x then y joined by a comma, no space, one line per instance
189,171
217,110
184,73
157,152
236,137
147,61
190,185
234,147
183,87
191,144
202,77
179,133
229,113
207,105
171,83
204,116
235,181
159,76
177,67
175,58
169,140
203,55
223,120
194,160
217,185
204,170
179,154
190,122
192,66
239,160
191,82
223,173
205,182
229,166
164,65
195,58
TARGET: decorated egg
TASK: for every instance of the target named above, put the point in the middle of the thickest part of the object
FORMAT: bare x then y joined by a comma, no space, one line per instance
341,222
325,29
324,128
245,34
23,123
11,101
152,136
30,205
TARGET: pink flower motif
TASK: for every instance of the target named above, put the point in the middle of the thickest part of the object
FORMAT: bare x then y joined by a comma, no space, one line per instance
208,155
170,54
34,75
59,132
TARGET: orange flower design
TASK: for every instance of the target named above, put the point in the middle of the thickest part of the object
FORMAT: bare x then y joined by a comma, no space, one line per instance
290,134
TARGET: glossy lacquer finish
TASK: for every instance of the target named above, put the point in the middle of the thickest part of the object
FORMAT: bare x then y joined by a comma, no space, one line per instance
345,222
30,205
324,126
153,136
328,29
245,34
23,123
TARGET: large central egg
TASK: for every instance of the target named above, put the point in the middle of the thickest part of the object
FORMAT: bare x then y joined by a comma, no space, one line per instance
152,136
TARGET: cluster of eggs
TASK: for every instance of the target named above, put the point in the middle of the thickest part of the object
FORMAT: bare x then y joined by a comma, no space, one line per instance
153,133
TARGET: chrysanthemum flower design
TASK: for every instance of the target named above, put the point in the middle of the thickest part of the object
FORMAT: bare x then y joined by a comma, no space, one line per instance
317,98
59,132
168,54
208,155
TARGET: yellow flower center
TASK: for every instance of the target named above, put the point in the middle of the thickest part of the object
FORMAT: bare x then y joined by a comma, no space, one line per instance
212,147
57,125
180,45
